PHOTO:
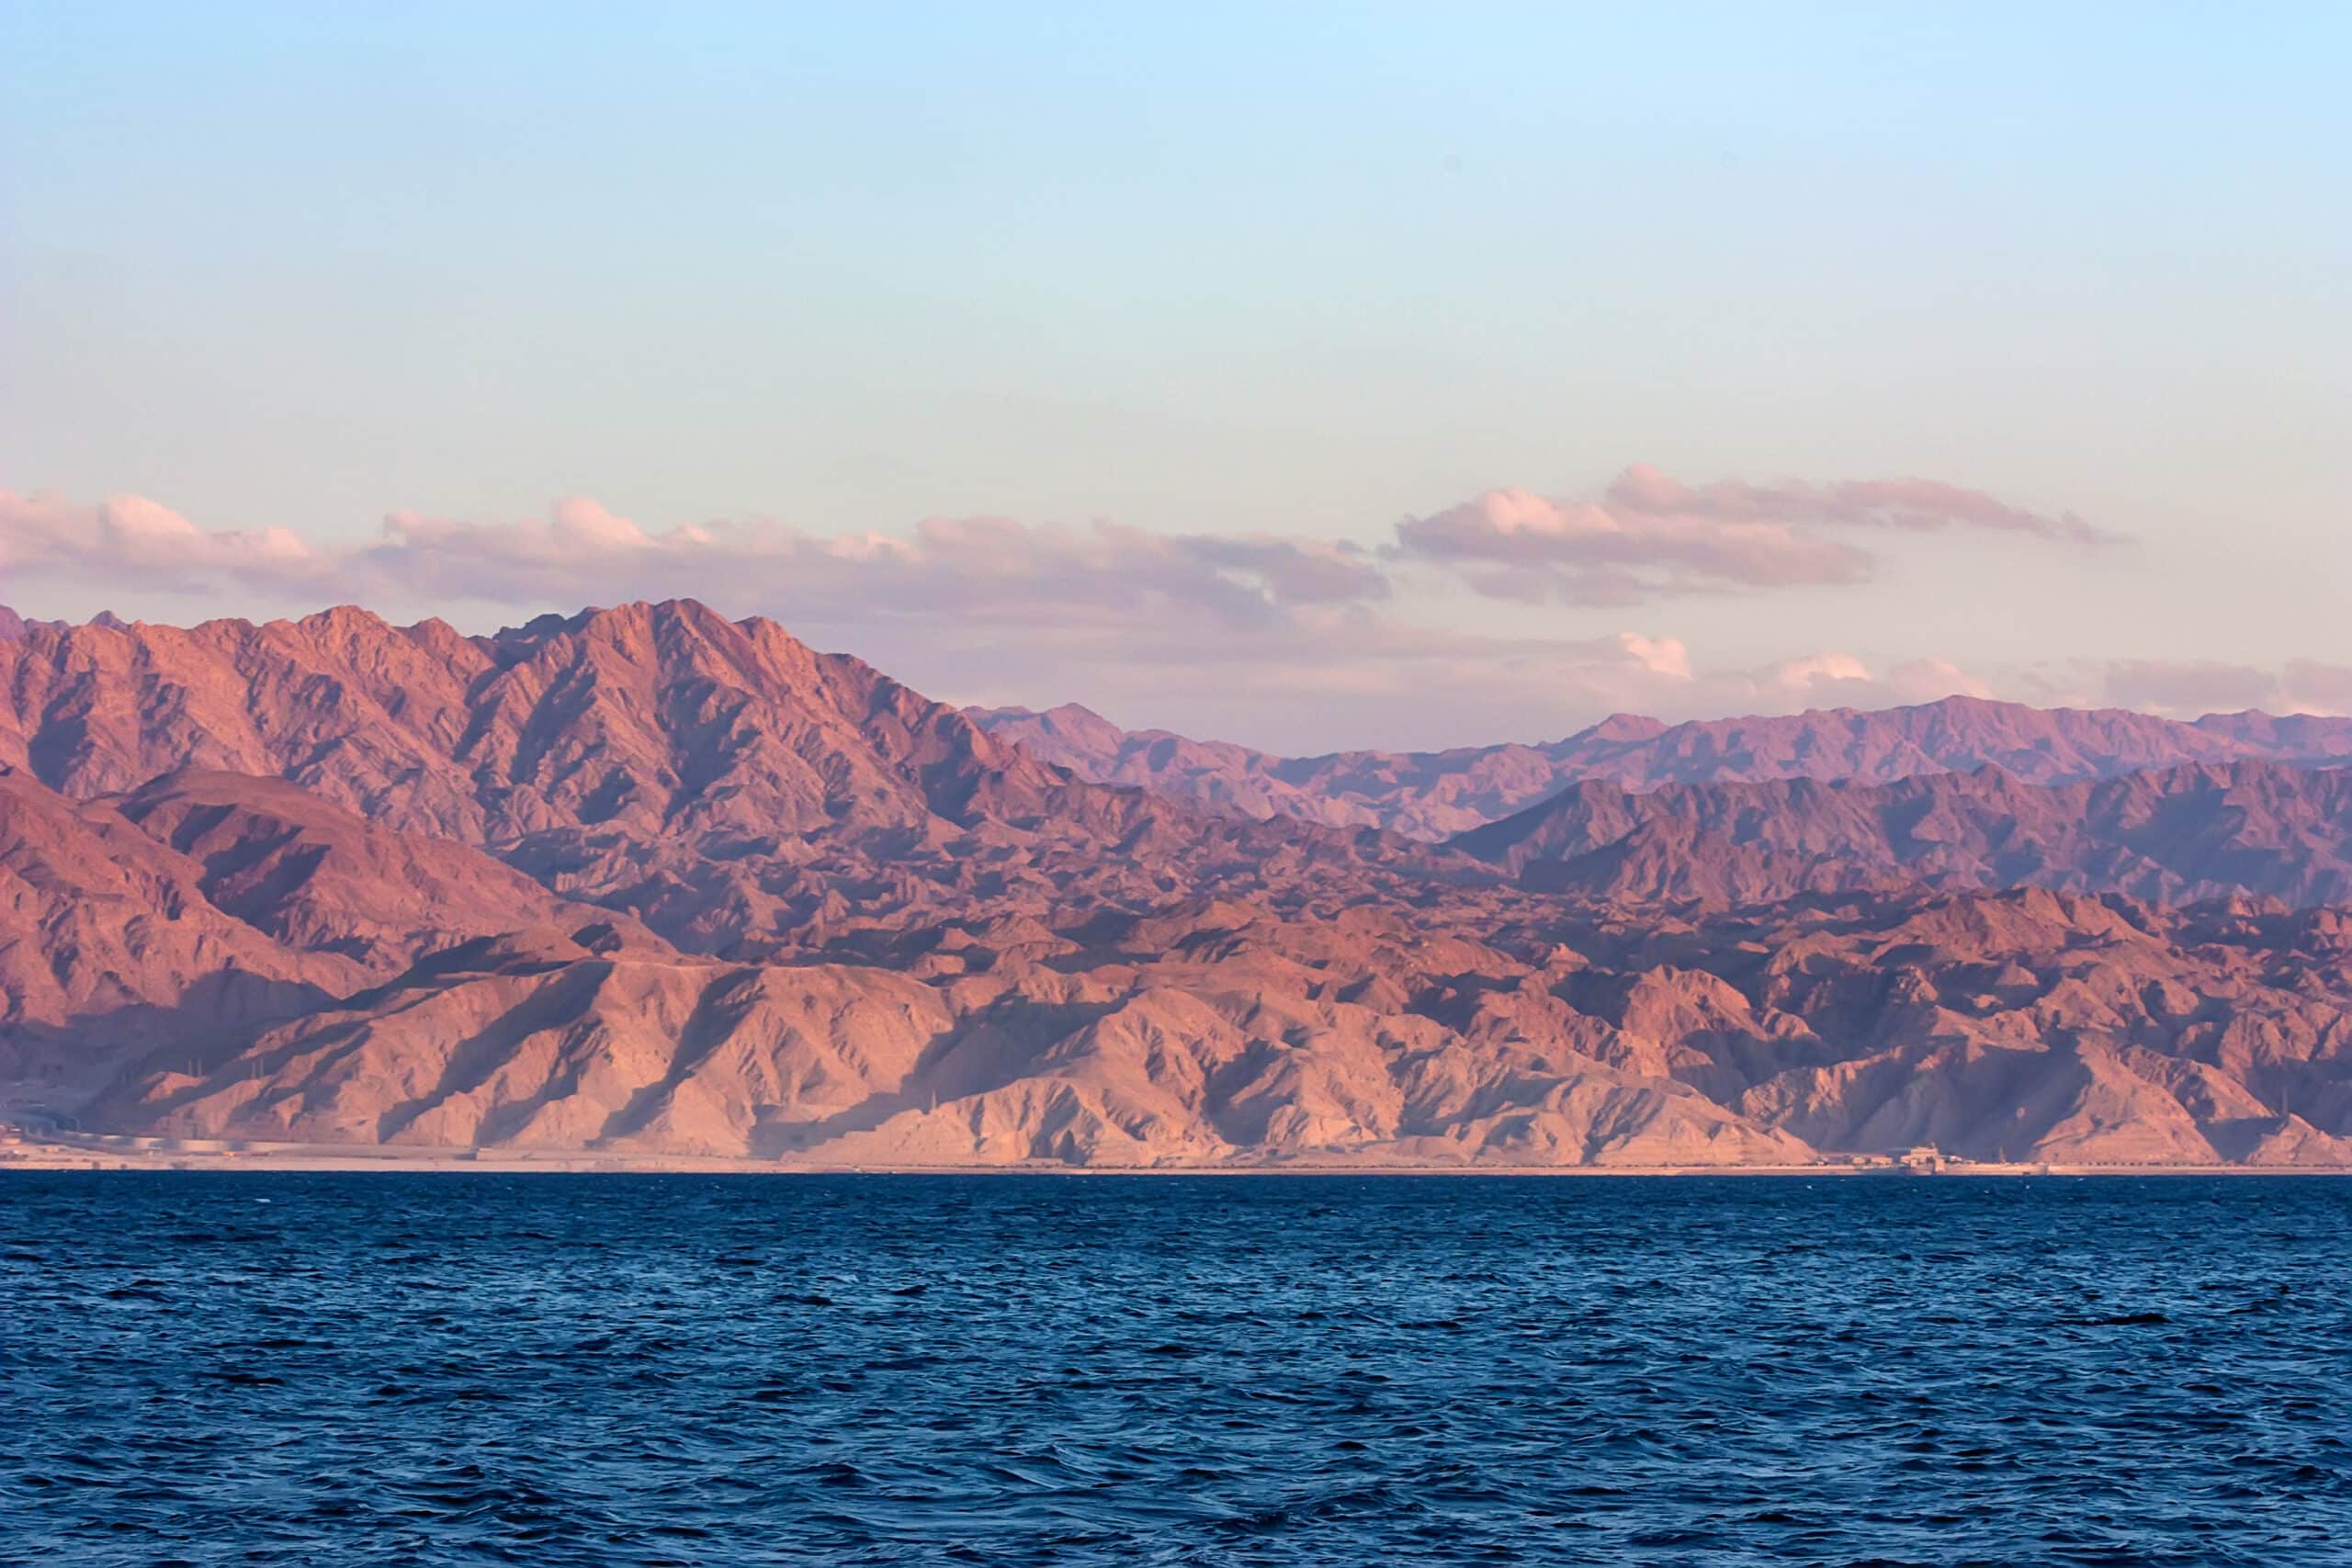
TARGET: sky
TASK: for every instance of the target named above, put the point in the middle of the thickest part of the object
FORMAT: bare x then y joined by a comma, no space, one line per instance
1309,376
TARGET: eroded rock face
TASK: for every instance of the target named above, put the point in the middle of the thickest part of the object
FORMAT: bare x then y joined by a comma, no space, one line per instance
107,939
2025,1025
649,881
720,780
186,915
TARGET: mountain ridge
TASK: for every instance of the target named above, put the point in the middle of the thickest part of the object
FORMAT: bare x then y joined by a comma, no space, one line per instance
719,780
1437,795
645,881
2171,835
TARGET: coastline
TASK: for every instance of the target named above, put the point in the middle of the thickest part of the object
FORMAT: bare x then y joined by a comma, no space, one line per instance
102,1152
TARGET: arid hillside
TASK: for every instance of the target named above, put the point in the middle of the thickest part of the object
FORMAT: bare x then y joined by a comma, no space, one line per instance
647,881
2174,834
1436,795
730,785
2019,1026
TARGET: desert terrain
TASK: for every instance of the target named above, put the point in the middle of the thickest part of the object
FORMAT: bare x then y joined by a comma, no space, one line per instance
648,887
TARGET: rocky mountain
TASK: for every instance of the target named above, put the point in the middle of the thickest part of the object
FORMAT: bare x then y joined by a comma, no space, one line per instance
2174,835
104,934
321,880
1436,795
2027,1025
14,626
649,881
643,721
720,780
205,904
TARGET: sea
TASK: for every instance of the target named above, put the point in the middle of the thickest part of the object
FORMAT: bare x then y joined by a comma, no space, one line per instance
429,1369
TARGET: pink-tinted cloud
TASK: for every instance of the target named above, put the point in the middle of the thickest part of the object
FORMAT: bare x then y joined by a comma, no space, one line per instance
581,552
1650,534
1326,678
984,569
1648,537
1916,504
1515,543
2192,688
132,540
1288,642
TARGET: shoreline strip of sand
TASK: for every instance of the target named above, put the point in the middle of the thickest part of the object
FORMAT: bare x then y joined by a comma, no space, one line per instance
96,1154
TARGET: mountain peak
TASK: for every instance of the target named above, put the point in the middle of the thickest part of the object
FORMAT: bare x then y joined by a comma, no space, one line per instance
642,878
1623,727
1437,795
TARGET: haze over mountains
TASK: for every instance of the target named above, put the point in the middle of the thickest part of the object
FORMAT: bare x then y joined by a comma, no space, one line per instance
646,880
1434,795
2177,834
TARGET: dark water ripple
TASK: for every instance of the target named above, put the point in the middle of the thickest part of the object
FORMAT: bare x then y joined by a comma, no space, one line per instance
870,1370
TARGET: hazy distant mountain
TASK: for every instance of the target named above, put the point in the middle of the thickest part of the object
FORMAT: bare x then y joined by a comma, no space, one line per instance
646,879
1435,795
2173,835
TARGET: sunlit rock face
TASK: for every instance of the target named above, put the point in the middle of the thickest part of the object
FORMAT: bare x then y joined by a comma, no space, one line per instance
647,881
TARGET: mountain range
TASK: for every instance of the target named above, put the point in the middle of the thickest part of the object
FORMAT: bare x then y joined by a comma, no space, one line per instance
2177,834
1435,795
650,881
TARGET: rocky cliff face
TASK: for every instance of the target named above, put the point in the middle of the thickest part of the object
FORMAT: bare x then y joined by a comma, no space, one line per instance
645,880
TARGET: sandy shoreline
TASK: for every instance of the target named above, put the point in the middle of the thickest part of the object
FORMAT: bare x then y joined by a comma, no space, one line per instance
108,1154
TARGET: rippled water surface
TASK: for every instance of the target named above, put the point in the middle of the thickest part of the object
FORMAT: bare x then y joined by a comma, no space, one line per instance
456,1369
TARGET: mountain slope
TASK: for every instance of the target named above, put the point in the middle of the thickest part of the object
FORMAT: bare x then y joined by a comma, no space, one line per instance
734,788
317,878
642,719
2175,835
1435,795
187,914
2024,1026
108,942
649,881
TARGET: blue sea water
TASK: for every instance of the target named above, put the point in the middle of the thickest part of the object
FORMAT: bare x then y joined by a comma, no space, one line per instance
446,1369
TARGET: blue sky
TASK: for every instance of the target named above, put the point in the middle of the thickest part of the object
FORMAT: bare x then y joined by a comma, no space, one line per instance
1298,273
